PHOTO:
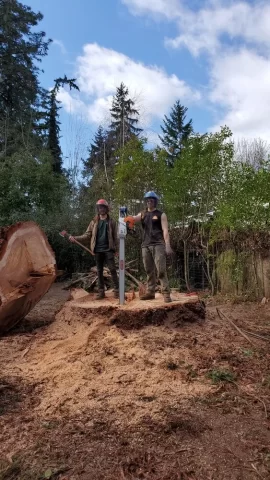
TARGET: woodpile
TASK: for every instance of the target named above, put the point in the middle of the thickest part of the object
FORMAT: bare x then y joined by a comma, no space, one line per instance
88,280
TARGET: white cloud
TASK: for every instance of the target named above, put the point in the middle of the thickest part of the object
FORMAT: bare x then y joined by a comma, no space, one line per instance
235,35
72,104
61,45
101,70
98,111
203,29
241,83
152,138
166,8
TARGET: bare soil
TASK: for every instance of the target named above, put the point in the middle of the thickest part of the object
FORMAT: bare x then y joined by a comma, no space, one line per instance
82,398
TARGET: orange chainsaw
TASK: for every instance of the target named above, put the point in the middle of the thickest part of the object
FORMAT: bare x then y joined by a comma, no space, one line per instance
129,220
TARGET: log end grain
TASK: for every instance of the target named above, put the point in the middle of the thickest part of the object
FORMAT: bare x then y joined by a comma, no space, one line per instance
27,270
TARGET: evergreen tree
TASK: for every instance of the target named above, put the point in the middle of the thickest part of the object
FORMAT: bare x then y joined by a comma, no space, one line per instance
20,50
53,121
54,131
96,152
101,160
175,131
124,117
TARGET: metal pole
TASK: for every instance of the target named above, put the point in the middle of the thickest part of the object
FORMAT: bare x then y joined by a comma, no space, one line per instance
122,230
122,271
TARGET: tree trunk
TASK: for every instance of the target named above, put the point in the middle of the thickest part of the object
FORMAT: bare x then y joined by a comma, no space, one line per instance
186,264
27,270
209,275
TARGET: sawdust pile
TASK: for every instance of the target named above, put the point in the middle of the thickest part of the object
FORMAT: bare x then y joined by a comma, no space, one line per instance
84,399
82,361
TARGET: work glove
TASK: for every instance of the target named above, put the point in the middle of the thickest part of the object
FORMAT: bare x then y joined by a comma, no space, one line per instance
168,249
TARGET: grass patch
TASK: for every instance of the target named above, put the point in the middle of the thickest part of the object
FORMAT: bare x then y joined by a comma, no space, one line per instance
247,352
218,376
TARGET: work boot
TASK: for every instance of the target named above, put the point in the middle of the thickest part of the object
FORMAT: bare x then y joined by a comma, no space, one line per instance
167,298
100,295
147,296
116,293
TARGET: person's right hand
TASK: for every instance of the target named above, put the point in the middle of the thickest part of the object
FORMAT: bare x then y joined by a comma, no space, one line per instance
168,249
71,239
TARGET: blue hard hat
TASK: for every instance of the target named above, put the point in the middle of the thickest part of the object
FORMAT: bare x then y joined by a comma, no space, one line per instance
151,195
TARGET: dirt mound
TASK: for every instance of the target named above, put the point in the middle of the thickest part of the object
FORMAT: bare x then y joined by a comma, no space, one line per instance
85,399
175,316
83,358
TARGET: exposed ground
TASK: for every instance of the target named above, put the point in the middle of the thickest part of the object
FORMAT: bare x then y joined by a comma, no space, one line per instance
84,399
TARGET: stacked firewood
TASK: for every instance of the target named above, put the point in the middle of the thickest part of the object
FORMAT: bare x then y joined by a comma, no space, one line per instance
88,280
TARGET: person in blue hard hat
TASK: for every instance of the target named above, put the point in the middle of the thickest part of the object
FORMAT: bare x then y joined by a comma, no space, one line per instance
155,246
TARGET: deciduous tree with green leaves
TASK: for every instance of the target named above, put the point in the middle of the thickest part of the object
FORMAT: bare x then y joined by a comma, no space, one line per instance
138,171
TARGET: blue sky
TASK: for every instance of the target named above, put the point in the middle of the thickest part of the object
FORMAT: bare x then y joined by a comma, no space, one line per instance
213,55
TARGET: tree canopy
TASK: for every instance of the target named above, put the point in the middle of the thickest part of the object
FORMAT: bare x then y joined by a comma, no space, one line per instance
203,179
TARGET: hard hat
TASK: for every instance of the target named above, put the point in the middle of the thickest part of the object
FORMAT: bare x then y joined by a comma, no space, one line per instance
151,195
102,202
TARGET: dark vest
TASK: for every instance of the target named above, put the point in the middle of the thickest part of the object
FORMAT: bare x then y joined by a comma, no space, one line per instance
152,229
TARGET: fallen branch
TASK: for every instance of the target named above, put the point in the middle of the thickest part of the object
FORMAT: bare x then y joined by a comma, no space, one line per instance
256,335
75,282
222,316
242,390
127,273
133,278
177,451
87,280
26,351
130,262
93,282
256,398
256,470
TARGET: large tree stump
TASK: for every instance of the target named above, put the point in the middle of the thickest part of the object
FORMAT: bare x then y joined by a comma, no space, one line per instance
135,314
27,270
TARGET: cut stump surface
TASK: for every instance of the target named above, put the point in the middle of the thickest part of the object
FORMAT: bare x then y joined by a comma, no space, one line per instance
137,313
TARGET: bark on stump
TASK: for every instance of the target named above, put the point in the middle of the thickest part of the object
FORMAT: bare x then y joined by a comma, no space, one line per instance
27,270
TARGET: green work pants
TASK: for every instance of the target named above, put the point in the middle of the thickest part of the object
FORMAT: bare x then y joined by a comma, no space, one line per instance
154,261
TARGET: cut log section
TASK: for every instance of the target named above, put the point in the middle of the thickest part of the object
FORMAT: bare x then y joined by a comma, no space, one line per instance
27,270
